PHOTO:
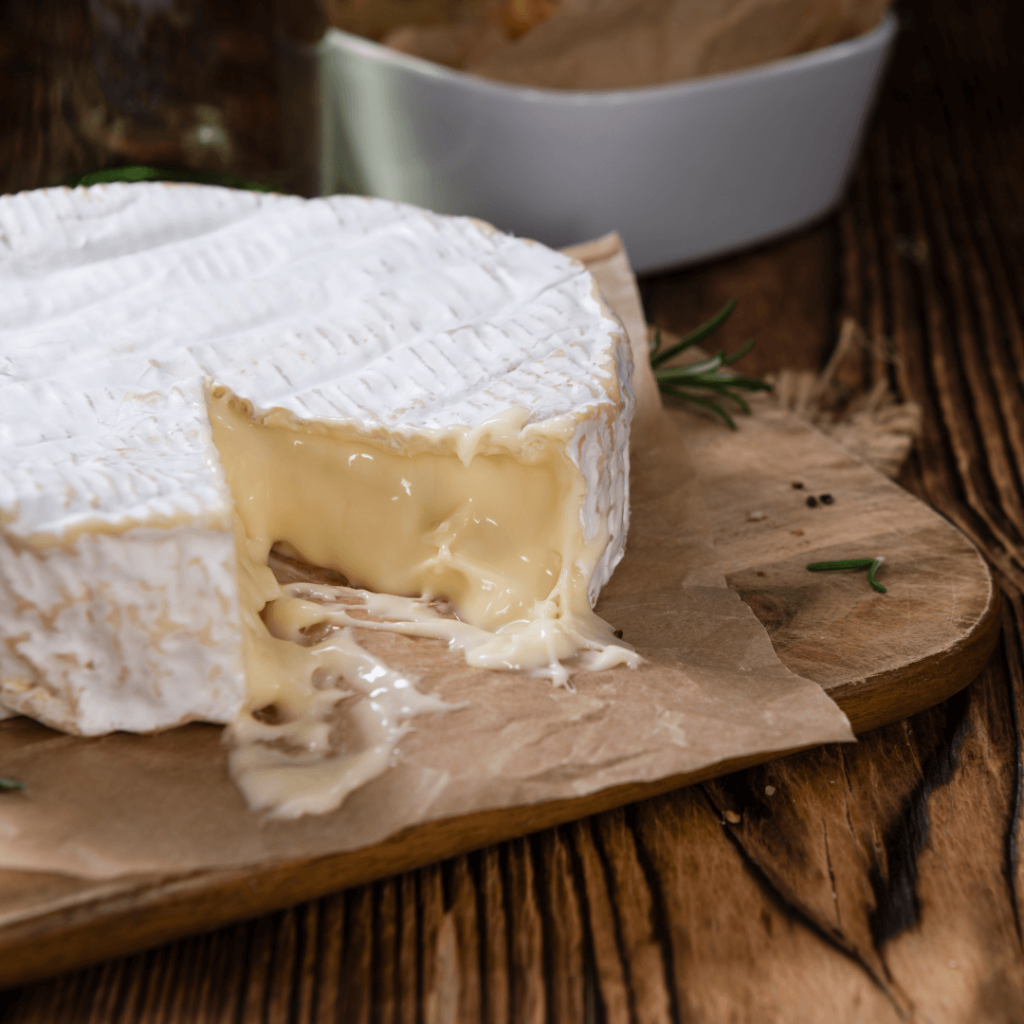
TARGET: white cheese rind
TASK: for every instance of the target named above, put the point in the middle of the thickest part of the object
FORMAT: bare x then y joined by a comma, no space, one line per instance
133,631
120,304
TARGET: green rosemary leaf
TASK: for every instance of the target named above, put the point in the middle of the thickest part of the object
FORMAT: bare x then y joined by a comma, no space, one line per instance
848,563
739,401
738,354
713,380
871,564
8,784
706,366
706,382
136,173
690,371
654,345
681,390
699,334
140,172
748,383
871,575
706,404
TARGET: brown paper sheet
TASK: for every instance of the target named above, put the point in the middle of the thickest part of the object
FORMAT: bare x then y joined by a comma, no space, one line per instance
620,44
712,690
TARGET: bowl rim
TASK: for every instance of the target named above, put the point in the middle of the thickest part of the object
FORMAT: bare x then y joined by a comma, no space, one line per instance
875,39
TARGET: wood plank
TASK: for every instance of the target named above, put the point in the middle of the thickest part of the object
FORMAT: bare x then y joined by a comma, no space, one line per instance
922,877
736,951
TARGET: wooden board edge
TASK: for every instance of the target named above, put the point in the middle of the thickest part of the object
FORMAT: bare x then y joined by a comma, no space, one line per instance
151,912
888,697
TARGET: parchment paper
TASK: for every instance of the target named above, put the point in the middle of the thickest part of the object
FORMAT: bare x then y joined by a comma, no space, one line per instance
619,44
712,689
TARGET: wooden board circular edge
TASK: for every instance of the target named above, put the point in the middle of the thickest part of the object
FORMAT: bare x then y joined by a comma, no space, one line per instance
892,696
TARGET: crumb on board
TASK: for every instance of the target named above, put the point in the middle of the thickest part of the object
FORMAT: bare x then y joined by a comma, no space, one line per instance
797,533
769,791
812,501
756,516
732,817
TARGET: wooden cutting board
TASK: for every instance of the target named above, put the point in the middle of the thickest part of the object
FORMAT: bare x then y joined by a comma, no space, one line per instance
880,660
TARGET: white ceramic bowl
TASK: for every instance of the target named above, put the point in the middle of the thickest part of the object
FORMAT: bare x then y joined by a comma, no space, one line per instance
683,171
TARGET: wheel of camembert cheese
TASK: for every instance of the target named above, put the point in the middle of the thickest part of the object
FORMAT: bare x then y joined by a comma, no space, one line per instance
193,376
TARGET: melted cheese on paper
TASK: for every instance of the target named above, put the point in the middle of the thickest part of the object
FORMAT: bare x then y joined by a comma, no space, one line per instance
495,539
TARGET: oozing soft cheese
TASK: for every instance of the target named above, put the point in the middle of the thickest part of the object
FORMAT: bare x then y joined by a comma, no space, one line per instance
433,409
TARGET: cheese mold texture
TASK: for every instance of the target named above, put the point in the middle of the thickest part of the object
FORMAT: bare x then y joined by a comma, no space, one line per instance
192,375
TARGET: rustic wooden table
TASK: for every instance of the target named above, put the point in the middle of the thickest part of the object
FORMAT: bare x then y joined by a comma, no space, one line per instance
876,882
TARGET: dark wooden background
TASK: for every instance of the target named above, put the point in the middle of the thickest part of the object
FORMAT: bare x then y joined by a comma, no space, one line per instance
877,882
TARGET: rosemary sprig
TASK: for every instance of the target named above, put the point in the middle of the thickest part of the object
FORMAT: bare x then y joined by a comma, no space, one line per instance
871,564
8,784
708,375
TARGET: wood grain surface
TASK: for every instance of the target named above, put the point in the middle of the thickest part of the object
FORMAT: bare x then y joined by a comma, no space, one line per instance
881,659
875,883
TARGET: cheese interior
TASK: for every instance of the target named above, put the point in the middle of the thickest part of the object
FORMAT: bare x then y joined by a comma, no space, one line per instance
457,538
489,537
